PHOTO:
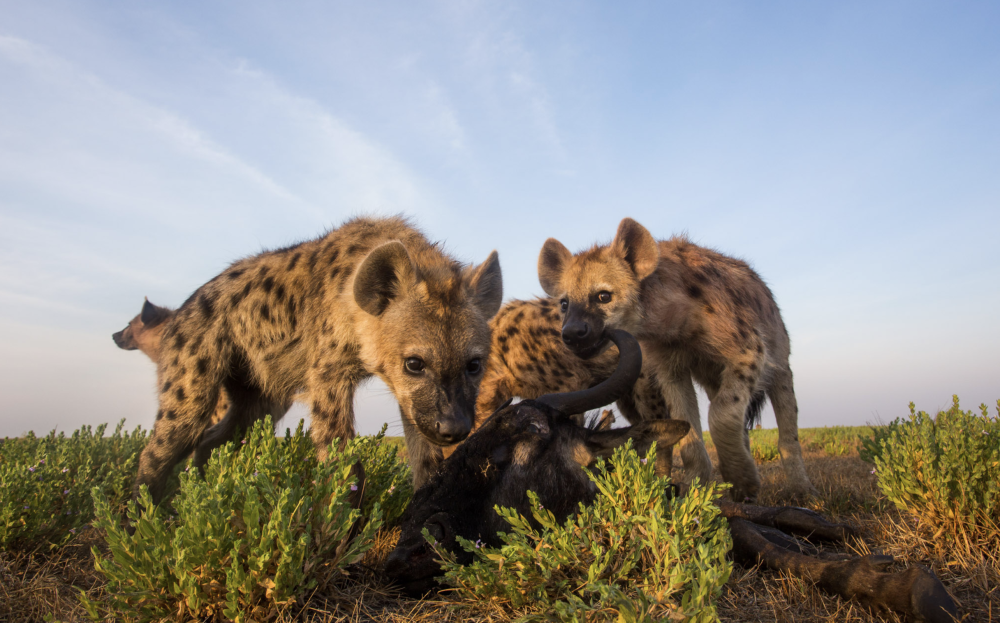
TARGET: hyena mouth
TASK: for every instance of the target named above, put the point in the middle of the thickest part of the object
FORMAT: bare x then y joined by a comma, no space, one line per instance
589,351
123,341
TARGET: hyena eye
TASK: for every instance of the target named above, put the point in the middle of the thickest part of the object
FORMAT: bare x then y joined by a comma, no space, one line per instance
414,365
604,296
564,305
474,367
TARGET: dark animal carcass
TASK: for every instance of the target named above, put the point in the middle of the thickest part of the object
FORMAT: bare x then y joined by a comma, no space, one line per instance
533,445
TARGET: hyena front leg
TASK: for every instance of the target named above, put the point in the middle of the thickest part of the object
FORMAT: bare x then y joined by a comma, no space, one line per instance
682,404
331,392
186,408
423,456
727,421
786,412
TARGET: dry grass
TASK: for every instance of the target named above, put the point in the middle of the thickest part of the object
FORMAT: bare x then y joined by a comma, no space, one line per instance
36,584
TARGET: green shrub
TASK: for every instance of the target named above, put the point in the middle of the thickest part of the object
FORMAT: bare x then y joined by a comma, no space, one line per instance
46,482
945,471
871,444
388,482
635,554
266,524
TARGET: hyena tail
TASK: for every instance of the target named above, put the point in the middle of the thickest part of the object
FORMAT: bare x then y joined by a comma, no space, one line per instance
754,409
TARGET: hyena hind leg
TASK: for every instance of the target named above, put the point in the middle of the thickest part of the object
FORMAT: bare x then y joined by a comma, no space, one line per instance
786,412
247,405
178,430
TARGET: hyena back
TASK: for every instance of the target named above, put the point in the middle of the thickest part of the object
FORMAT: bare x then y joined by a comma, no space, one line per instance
314,320
698,314
528,359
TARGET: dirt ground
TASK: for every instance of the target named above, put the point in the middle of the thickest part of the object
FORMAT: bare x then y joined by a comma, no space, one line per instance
42,585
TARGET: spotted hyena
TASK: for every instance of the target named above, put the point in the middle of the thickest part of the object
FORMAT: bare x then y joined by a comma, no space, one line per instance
529,359
314,320
698,314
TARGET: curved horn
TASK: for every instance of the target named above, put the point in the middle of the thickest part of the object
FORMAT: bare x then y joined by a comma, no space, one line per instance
609,390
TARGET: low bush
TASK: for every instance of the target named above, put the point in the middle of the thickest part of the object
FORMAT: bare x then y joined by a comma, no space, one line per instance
945,471
46,482
266,524
636,554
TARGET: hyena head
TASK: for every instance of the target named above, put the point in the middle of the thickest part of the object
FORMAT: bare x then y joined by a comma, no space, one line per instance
598,288
426,334
145,330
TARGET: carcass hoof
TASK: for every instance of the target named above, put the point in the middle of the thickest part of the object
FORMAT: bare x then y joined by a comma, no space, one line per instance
928,598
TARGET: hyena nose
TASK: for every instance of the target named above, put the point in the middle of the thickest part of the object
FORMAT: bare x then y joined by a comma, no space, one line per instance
454,429
574,332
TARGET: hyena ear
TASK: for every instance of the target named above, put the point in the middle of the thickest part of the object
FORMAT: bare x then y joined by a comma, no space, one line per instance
637,247
382,277
552,262
152,315
667,432
486,285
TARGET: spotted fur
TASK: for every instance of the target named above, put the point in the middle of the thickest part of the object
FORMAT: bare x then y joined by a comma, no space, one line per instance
699,314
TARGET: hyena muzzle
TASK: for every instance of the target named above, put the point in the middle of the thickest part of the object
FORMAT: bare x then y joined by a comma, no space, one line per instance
145,331
698,314
314,320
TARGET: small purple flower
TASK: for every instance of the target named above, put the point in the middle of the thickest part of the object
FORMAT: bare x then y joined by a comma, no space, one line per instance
255,473
479,543
65,491
873,472
26,507
42,462
72,530
31,469
540,507
65,469
243,442
643,461
354,487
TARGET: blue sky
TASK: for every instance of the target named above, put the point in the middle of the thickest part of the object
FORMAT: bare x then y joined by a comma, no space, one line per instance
849,151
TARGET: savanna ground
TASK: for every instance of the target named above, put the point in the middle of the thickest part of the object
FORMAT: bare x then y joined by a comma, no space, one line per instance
43,585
